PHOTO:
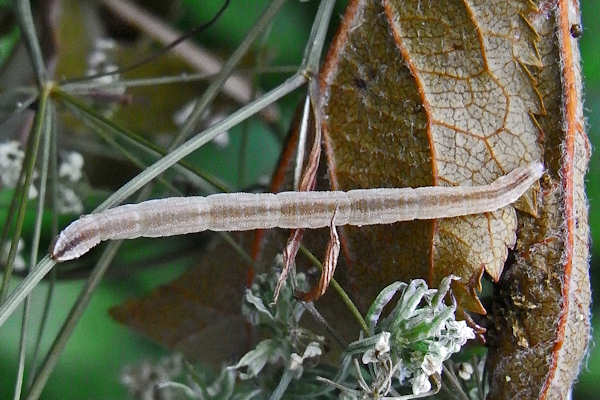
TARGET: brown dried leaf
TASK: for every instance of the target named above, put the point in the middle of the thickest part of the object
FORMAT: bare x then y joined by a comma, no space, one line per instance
199,313
466,107
420,93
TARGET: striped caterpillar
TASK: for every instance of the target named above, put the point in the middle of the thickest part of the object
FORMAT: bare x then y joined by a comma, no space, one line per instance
246,211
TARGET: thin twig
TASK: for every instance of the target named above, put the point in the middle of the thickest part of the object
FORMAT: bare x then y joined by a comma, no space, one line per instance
237,248
316,39
340,291
301,148
154,55
23,11
82,111
237,87
85,88
310,307
128,155
37,231
479,379
246,126
211,92
72,319
46,264
54,230
201,139
28,165
450,376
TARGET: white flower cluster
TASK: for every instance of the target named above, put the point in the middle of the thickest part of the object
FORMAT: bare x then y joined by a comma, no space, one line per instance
19,263
71,166
410,345
465,371
420,365
143,380
180,116
425,336
296,364
70,174
11,161
291,344
100,60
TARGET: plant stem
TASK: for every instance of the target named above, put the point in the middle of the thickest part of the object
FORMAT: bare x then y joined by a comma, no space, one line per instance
83,111
29,164
47,126
72,319
450,376
46,264
133,159
91,87
54,230
316,39
236,247
302,137
23,11
237,87
213,89
339,290
201,139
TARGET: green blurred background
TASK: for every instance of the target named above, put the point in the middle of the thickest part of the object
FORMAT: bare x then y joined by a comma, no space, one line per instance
99,347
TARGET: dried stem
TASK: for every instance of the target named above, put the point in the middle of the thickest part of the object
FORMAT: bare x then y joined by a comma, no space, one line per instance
340,291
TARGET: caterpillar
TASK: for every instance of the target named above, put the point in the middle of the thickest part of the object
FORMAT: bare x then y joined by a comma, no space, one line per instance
246,211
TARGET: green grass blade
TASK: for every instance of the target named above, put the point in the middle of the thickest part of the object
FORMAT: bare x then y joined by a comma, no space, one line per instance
54,229
316,39
128,155
112,248
154,170
95,86
213,89
151,172
47,124
28,164
84,112
22,350
46,264
72,319
292,83
23,11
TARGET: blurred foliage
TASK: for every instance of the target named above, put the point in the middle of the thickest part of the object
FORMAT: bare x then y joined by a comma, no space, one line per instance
100,348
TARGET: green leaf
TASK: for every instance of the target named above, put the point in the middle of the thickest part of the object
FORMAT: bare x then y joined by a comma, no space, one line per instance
255,360
382,299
